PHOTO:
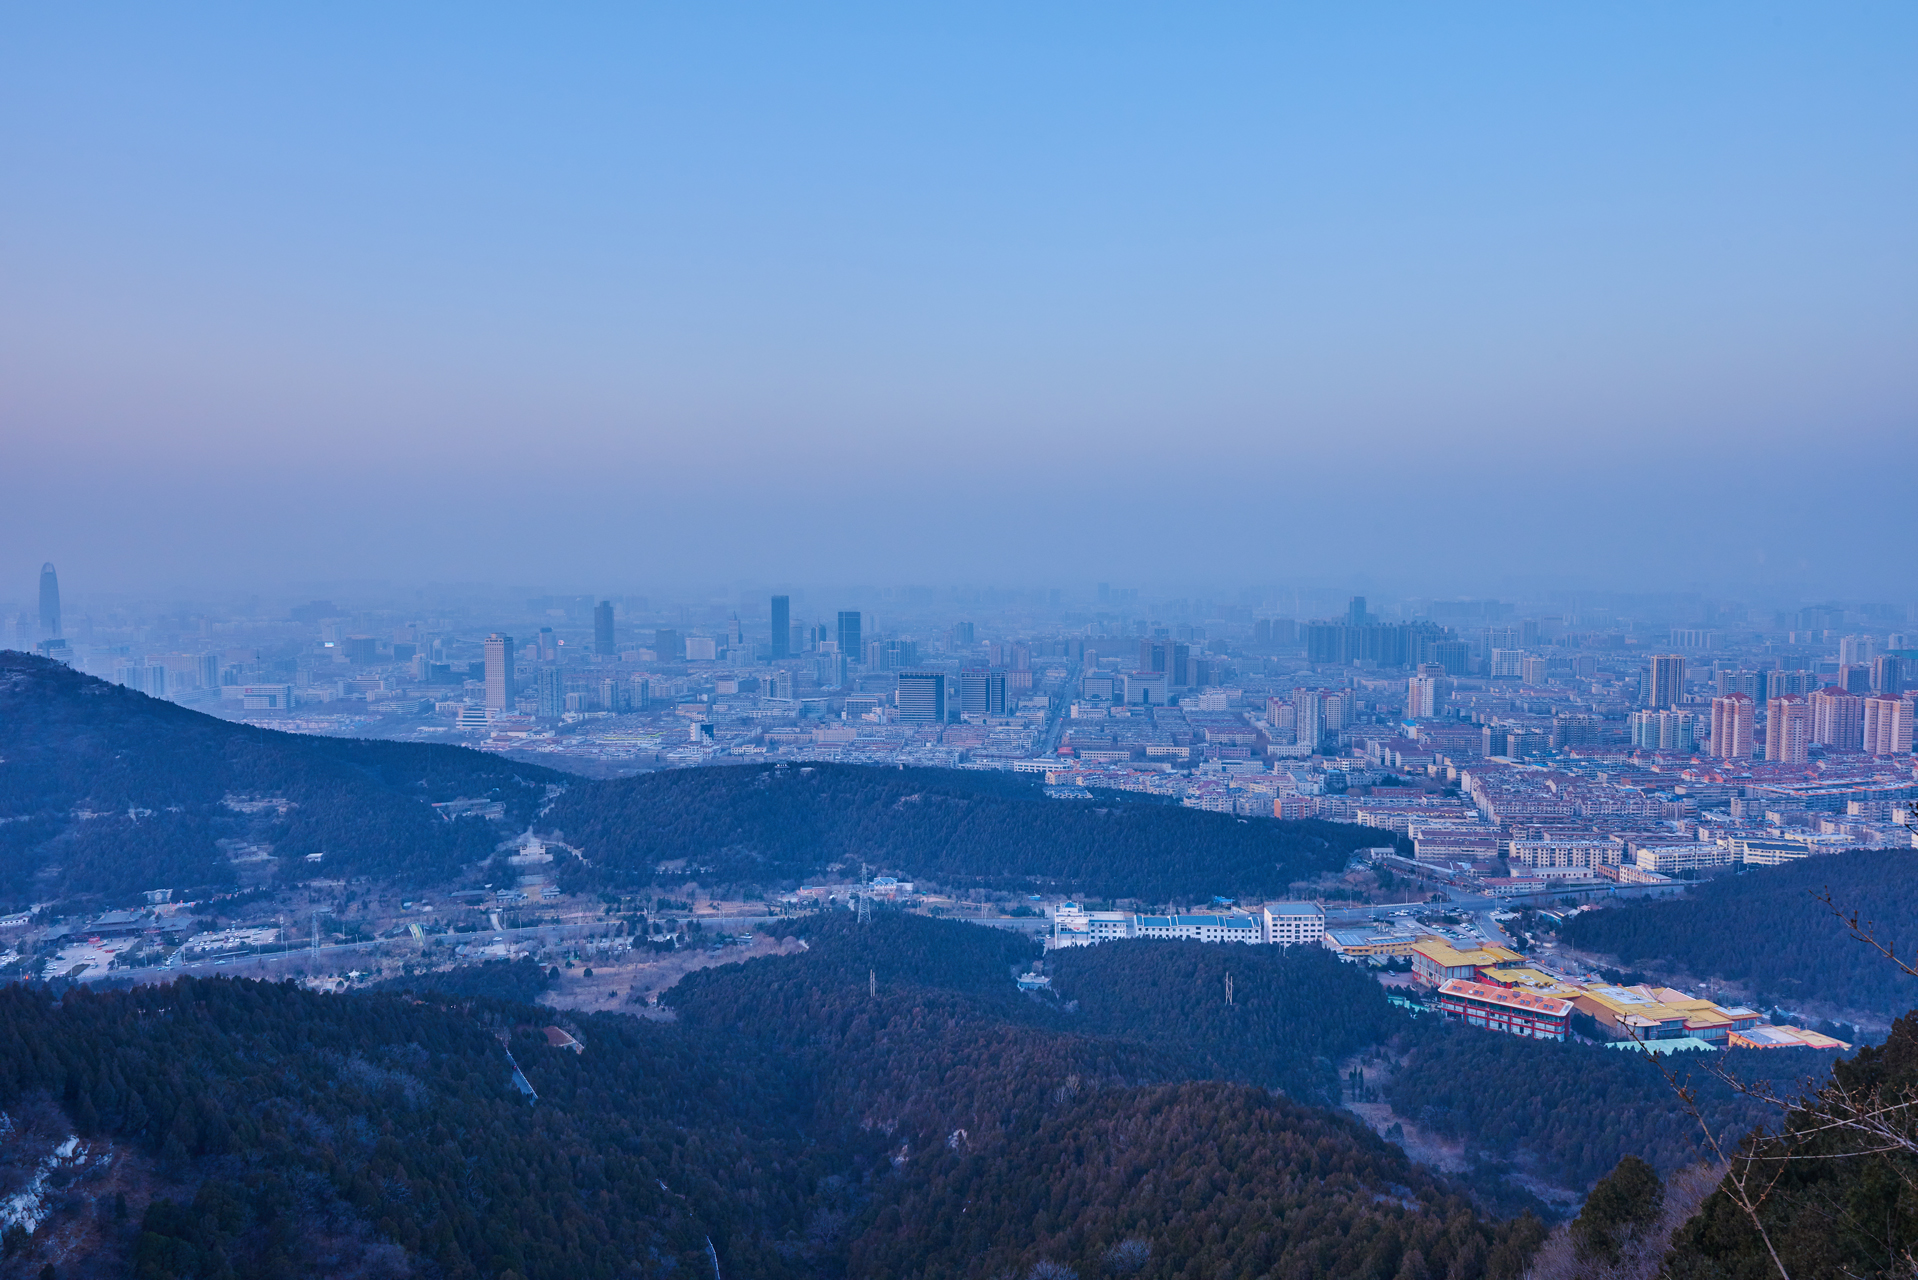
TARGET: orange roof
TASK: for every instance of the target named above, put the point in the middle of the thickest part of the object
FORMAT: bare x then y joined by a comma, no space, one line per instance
1509,997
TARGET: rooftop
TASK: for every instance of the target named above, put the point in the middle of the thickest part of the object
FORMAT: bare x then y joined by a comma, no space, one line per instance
1508,997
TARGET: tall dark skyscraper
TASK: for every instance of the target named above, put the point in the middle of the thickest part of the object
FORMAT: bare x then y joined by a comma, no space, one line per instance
922,697
603,630
849,635
49,602
782,627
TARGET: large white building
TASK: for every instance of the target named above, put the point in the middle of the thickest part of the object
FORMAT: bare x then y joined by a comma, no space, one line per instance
1293,923
1283,923
1547,854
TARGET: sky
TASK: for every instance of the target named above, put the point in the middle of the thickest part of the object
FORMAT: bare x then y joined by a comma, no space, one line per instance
611,297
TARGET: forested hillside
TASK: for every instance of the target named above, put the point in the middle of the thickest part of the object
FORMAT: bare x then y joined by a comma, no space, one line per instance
774,823
1184,1180
1171,995
271,1132
1833,1189
886,1103
1569,1112
104,791
948,1125
1765,930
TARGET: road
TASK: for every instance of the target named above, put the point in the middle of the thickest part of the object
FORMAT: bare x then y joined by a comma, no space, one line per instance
1056,715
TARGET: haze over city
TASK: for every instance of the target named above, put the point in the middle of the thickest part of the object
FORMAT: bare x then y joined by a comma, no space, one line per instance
1398,299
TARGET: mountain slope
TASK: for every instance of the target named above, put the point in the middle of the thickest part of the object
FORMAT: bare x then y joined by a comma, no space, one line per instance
947,1126
1766,931
104,791
782,823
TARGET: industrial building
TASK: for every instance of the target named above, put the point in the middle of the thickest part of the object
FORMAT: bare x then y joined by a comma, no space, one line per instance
1510,1010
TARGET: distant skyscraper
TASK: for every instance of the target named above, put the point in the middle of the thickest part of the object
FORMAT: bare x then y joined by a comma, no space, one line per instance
1732,726
982,692
1888,674
849,643
49,602
603,644
782,627
962,635
1837,719
1355,614
549,690
667,646
1665,682
1887,726
1308,717
1425,695
922,697
1787,729
499,672
1859,650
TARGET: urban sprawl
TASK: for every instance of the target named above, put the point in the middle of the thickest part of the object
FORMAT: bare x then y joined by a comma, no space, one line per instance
1565,748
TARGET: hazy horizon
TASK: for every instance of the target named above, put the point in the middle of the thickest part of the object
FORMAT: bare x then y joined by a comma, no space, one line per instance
1395,299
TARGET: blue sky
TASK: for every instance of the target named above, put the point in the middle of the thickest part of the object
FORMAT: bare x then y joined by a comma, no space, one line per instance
915,293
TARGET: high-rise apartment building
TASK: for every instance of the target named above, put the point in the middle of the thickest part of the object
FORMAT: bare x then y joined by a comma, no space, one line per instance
782,627
1837,719
848,637
1454,655
982,692
1732,726
499,672
1857,650
667,646
1888,674
922,697
1787,729
1425,696
1665,681
49,602
1308,717
1580,729
1887,725
1854,678
603,644
549,690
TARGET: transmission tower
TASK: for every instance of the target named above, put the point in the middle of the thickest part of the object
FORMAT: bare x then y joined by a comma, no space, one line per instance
1228,988
872,983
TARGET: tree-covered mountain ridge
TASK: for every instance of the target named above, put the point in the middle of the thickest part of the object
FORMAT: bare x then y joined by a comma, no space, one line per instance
916,1117
106,793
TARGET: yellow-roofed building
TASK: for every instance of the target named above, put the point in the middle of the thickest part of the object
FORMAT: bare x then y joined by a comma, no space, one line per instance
1434,961
1660,1013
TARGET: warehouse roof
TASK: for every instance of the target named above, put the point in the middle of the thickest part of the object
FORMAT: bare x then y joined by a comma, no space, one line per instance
1505,997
